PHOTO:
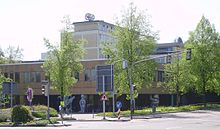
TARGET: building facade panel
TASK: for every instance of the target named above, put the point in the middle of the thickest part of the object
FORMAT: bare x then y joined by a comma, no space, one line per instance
91,54
85,26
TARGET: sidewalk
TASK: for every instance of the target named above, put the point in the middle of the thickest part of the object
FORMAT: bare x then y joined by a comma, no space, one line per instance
92,117
72,118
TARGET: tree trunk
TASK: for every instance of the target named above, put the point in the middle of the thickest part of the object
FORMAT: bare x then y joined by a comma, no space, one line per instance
204,95
204,91
178,99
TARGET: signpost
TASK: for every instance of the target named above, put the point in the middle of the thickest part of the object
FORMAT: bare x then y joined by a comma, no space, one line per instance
104,81
154,102
104,98
46,85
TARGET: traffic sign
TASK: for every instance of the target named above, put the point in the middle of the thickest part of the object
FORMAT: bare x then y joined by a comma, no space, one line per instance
118,104
9,88
29,94
155,99
104,97
104,78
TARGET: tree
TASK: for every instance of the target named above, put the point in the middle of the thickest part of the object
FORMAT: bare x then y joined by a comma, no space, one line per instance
201,73
13,54
205,43
177,77
2,56
64,60
135,41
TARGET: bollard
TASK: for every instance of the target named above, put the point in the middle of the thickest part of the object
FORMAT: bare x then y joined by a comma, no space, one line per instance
119,114
93,113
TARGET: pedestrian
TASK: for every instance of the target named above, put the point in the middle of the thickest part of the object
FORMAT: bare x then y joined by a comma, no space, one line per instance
61,111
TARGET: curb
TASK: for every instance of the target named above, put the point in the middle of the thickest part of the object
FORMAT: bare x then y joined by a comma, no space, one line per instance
49,125
96,120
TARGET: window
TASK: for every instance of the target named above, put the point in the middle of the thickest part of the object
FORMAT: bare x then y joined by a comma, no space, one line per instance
6,75
12,76
76,76
38,76
93,74
90,75
160,76
33,77
100,53
30,77
87,75
26,77
160,60
17,77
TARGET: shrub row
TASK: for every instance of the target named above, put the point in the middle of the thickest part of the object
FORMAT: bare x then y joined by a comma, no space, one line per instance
23,112
39,111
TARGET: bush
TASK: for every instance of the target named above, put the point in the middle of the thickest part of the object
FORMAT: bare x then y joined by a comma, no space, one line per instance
5,114
21,114
40,111
3,117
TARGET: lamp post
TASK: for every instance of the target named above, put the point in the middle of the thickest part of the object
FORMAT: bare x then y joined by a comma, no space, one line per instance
131,93
48,98
125,65
11,88
177,81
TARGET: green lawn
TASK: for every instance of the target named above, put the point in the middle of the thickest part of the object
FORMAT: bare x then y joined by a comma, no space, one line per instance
163,109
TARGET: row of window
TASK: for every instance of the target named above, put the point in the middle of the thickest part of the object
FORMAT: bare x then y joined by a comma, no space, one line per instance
28,77
35,77
90,75
106,28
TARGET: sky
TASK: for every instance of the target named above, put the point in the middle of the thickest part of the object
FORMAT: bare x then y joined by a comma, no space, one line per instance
25,23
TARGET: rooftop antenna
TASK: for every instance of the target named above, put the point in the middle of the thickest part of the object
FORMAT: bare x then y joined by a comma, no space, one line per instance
89,17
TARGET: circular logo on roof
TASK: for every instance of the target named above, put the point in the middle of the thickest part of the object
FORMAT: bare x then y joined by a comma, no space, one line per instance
89,17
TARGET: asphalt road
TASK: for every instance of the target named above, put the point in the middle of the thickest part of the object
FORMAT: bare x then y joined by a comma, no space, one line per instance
202,119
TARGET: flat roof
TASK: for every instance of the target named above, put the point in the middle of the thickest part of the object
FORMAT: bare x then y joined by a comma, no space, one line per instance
83,22
42,61
172,44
